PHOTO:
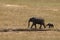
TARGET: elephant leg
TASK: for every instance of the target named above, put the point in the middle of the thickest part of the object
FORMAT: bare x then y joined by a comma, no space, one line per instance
44,25
32,25
49,26
35,26
40,26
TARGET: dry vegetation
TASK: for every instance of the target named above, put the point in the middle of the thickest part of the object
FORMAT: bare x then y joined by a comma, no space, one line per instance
15,14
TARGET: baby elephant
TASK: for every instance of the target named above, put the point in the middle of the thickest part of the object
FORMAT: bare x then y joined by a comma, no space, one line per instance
50,25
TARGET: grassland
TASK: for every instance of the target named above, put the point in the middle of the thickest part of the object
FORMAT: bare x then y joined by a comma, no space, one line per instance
15,14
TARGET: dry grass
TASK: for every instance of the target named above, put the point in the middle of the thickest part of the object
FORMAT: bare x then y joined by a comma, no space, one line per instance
41,35
17,15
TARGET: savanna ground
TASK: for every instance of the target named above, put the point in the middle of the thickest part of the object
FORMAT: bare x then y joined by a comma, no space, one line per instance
15,14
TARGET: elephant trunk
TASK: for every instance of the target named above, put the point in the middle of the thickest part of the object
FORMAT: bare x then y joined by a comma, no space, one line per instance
28,23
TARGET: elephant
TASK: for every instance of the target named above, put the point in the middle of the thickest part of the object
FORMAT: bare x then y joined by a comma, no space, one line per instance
50,25
35,21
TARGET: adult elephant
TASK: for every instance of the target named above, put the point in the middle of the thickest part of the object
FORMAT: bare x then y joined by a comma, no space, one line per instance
35,21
